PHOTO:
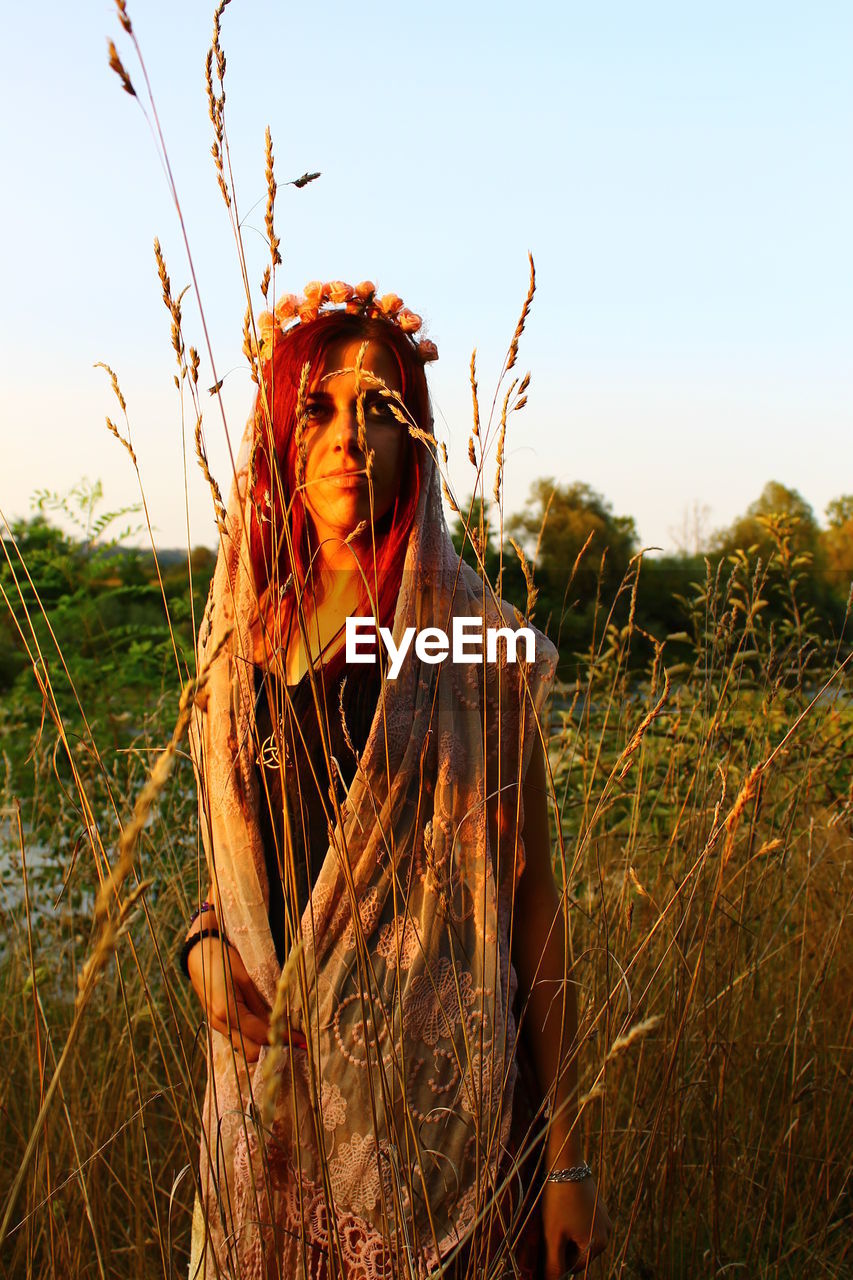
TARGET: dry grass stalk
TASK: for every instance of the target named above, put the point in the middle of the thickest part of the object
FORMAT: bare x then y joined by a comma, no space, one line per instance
360,382
99,364
201,454
301,423
173,306
111,886
501,438
117,66
269,216
448,496
636,739
475,399
522,321
113,429
732,822
124,17
110,928
526,569
619,1045
216,101
250,346
279,1035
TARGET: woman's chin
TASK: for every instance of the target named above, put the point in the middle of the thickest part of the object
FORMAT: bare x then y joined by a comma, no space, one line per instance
348,511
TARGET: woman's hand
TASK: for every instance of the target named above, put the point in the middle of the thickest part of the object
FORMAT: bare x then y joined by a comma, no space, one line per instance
231,1001
576,1228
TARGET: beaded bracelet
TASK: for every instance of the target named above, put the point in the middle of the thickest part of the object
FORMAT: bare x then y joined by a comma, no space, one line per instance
205,932
576,1173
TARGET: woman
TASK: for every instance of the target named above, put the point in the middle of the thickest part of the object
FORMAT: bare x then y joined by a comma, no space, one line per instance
381,898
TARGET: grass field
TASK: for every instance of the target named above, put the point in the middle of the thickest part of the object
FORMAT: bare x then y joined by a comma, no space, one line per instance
704,815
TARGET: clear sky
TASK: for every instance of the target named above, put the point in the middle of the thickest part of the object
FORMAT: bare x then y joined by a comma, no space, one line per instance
682,173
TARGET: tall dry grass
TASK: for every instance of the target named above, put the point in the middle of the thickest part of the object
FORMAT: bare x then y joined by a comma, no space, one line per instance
706,856
701,812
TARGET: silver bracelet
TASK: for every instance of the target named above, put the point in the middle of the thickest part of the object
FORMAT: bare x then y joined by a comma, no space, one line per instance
576,1173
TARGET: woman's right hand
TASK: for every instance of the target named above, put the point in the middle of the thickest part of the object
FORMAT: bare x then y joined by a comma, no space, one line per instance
231,1001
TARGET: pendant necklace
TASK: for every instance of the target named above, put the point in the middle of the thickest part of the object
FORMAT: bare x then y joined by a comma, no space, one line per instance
269,754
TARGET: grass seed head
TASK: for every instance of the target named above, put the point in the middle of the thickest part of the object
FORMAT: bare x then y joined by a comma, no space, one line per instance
448,497
271,191
117,66
475,396
201,454
123,17
522,321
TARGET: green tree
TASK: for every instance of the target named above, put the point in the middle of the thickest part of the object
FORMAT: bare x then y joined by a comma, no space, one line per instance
753,528
837,541
581,552
780,528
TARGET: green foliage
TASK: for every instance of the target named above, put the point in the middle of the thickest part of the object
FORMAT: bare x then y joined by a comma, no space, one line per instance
89,638
837,542
579,550
839,512
560,522
80,505
779,531
590,579
583,553
751,529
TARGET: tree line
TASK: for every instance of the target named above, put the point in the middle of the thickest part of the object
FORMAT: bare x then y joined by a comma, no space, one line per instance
589,572
106,603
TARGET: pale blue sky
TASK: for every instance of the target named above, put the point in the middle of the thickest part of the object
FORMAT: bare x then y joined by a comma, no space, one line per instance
682,175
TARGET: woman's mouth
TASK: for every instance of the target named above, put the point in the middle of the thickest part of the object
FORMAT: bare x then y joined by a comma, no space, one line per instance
347,479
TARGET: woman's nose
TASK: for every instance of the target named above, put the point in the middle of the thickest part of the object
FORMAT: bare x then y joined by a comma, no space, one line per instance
345,428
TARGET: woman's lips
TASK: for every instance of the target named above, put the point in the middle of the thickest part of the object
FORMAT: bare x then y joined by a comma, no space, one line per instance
347,479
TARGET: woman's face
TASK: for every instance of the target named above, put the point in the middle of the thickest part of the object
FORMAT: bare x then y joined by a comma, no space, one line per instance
336,492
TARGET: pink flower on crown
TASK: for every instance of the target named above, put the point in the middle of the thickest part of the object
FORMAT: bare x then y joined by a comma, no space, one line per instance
389,304
316,292
427,350
308,310
339,291
360,300
286,308
409,321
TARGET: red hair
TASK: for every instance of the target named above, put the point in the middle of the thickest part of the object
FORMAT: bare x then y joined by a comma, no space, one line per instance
274,487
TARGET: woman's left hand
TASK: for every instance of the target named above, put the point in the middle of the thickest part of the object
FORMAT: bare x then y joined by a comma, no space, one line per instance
576,1228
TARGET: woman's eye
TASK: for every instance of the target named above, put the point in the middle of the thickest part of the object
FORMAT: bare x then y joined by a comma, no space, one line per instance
379,409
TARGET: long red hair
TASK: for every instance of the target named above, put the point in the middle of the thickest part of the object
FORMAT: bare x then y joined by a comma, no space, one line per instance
274,490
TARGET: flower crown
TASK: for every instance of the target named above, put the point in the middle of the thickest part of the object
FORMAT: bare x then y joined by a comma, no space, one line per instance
359,300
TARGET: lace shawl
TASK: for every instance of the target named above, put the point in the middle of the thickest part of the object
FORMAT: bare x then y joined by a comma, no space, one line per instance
386,1140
